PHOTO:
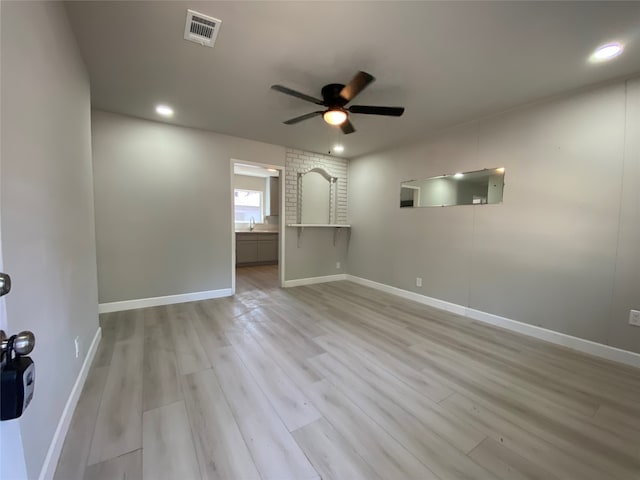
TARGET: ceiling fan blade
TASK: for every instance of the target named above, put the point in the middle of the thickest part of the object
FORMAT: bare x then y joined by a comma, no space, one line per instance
356,85
347,127
370,110
293,93
302,117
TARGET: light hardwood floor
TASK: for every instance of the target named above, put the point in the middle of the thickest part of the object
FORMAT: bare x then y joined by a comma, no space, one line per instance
338,381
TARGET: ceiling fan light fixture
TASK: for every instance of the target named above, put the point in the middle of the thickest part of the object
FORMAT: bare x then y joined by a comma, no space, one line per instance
335,116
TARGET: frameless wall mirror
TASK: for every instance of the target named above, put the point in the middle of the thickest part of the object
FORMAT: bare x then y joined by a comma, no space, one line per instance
316,197
469,188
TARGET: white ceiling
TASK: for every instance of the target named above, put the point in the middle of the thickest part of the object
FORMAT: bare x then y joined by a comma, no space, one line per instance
446,62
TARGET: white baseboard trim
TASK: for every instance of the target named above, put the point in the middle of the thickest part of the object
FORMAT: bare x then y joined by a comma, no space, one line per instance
55,447
416,297
313,280
585,346
168,300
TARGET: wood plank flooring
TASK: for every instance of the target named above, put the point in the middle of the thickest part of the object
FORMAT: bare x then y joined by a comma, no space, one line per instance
338,381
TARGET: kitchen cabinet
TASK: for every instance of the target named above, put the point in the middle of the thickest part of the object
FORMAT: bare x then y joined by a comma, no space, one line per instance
256,248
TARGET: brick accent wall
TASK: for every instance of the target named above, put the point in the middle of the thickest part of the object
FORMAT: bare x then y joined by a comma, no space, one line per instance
300,161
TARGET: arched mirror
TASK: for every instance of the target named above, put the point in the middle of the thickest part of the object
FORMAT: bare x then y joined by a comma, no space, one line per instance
316,197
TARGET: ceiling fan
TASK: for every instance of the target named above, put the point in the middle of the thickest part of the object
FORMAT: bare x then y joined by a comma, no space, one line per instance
335,96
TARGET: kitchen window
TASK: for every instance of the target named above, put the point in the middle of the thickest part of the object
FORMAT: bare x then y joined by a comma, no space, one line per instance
248,204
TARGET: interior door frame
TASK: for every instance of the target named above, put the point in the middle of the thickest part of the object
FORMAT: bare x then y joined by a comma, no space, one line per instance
281,217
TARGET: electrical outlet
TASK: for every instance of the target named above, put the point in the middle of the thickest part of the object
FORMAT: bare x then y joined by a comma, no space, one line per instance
77,342
337,265
634,318
418,281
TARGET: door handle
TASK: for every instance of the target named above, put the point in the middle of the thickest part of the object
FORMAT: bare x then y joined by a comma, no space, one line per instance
23,343
18,374
5,284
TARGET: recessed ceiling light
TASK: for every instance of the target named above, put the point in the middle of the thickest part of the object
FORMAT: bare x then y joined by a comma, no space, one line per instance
271,170
606,52
500,170
164,110
458,175
338,148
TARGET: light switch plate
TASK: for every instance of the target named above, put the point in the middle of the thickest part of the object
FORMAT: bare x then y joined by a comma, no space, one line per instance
634,318
418,282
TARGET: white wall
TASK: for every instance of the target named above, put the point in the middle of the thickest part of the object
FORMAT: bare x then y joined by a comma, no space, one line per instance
47,214
561,252
163,206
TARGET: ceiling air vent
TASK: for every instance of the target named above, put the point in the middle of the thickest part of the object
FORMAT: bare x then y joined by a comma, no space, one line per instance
201,28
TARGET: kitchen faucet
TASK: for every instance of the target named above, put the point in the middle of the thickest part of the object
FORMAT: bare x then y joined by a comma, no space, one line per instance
252,224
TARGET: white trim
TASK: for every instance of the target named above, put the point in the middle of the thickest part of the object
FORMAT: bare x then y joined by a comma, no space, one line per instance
585,346
55,447
168,300
416,297
283,213
232,172
313,280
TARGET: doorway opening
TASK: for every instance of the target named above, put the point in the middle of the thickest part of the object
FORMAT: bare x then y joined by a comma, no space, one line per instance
257,217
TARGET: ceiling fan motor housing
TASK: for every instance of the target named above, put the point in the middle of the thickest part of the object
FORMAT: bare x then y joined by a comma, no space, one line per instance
331,95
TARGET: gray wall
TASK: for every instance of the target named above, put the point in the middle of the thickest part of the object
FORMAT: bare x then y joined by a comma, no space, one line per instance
163,205
47,206
561,252
315,255
626,287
